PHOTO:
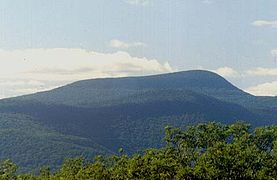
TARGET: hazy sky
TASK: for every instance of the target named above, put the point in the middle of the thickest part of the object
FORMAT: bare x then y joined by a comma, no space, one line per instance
48,43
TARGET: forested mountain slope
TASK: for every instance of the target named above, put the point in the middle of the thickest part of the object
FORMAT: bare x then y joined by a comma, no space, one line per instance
31,145
132,112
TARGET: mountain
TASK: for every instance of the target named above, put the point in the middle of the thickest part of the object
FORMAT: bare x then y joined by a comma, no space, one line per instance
102,115
32,146
108,91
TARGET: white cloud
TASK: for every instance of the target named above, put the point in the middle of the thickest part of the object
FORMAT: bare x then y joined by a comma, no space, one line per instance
21,83
138,2
265,23
265,89
30,70
115,43
226,72
259,71
11,87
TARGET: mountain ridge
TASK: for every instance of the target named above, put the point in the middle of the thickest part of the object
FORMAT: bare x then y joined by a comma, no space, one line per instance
193,80
131,112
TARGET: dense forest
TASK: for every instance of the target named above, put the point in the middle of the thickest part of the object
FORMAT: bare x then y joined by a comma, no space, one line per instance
204,151
99,116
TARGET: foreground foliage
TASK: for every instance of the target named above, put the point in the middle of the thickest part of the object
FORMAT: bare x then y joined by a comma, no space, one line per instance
205,151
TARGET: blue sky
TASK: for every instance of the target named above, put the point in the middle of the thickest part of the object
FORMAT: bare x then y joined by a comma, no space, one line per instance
48,43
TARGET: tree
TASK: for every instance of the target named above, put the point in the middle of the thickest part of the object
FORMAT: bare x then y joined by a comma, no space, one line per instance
7,169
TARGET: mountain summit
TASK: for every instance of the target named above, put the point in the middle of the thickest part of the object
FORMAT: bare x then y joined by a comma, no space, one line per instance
100,92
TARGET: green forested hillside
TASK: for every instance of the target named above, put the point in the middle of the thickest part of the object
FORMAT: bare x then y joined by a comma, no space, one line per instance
31,145
107,114
204,151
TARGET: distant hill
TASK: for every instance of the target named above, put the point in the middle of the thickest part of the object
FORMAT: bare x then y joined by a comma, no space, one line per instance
102,115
